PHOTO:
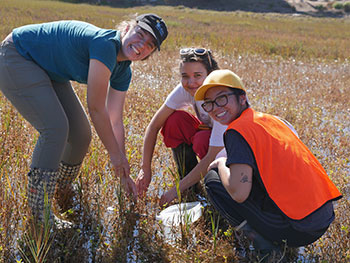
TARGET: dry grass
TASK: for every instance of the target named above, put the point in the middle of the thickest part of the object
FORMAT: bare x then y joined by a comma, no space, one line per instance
305,86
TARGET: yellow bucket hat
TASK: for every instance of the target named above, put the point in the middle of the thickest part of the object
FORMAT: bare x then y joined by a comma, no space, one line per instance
220,77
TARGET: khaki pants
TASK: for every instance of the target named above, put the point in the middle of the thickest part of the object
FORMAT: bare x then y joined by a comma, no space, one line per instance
52,108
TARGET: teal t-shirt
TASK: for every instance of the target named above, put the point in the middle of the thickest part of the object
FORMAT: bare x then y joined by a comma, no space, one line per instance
63,49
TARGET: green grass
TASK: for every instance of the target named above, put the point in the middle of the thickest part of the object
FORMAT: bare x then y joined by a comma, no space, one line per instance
265,34
294,67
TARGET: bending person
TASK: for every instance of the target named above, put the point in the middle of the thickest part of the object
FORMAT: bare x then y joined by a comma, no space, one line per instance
189,136
37,63
270,184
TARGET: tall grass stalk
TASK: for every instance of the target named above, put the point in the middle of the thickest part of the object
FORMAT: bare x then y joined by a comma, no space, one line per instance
38,238
184,215
214,229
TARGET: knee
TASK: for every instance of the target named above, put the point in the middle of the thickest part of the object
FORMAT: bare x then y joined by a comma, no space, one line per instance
81,137
175,119
57,131
86,137
200,142
211,177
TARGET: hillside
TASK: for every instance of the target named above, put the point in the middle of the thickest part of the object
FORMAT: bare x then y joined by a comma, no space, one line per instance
308,7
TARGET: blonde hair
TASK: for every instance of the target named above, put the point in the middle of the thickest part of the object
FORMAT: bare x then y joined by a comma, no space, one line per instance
126,25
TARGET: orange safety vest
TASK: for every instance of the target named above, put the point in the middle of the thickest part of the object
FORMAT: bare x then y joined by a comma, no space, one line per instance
291,174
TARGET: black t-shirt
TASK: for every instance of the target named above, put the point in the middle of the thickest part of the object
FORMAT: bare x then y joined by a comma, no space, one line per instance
239,152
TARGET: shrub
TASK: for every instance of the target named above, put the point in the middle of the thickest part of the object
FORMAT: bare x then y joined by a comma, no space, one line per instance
347,7
320,7
338,5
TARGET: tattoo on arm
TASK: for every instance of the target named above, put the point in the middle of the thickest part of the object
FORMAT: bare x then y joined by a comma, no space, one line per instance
244,178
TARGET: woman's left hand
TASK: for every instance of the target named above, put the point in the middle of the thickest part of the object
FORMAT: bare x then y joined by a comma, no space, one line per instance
168,197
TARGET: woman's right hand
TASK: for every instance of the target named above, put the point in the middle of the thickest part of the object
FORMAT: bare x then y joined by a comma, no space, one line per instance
121,165
143,180
122,170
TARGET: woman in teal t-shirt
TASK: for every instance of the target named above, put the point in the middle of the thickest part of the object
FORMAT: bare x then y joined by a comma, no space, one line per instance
37,63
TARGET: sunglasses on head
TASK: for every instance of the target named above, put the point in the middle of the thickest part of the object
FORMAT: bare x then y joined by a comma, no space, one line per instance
196,51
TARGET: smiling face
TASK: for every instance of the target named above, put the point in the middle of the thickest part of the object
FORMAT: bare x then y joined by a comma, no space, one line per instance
231,111
193,75
137,44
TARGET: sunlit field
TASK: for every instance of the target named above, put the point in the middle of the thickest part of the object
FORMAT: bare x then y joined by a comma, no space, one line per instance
295,67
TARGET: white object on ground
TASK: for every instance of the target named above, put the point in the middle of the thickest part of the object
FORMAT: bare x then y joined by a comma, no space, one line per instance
170,218
186,213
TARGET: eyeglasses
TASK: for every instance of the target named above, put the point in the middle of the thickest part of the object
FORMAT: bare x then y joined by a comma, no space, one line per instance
220,101
198,52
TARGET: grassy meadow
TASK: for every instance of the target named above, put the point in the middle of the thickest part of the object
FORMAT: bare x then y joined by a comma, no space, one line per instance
296,67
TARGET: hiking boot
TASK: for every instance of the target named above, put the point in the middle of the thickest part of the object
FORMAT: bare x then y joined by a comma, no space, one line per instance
265,248
186,160
65,195
40,191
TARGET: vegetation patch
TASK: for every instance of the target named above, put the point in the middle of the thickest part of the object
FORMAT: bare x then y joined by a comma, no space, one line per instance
295,67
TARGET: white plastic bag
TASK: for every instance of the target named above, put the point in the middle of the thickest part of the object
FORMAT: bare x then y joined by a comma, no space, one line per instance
170,218
184,212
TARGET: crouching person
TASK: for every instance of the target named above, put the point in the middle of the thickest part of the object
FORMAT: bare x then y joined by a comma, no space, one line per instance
270,185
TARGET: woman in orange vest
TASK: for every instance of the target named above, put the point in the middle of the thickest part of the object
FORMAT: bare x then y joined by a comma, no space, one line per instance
270,185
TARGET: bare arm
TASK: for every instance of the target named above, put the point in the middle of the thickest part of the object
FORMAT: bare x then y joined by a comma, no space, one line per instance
237,179
115,107
197,173
98,81
144,178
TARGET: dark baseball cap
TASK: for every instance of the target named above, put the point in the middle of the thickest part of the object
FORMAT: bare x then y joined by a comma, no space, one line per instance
154,25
